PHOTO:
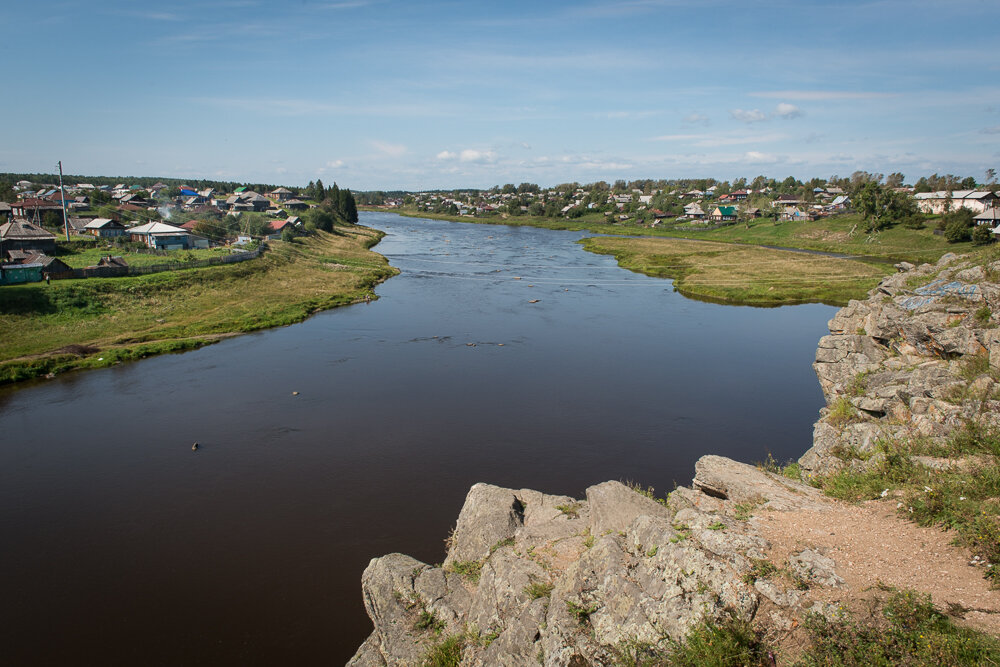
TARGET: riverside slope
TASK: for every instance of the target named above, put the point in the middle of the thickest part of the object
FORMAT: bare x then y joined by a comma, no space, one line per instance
537,579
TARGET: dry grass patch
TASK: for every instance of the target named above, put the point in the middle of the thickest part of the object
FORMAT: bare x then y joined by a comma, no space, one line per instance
742,274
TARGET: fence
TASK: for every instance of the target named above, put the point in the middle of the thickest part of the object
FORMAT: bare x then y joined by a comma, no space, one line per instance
120,271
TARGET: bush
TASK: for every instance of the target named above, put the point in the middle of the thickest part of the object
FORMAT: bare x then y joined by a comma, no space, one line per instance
982,235
957,231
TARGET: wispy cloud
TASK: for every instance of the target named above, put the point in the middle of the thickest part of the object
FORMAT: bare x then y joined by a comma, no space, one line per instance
718,140
386,148
748,116
785,110
821,95
696,119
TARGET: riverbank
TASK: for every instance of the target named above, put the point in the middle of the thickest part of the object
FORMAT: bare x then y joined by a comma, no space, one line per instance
841,234
92,323
879,545
741,274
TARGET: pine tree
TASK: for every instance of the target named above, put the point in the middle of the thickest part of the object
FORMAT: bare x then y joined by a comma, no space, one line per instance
320,192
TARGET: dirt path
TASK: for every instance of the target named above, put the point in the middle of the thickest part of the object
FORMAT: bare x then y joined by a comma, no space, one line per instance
872,546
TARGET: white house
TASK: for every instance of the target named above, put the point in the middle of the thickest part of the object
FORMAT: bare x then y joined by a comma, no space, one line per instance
976,201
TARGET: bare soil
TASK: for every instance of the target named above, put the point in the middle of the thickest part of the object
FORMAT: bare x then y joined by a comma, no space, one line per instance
872,546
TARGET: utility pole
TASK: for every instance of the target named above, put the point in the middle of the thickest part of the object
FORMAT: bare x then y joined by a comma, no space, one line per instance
62,197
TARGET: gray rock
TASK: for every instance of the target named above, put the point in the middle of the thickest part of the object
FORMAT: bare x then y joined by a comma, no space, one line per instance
741,483
490,515
816,568
614,506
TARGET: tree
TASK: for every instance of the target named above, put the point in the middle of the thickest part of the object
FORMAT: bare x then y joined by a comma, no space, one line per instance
288,234
881,206
894,180
991,176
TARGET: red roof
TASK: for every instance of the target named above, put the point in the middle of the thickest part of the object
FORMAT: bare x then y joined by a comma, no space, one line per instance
278,225
189,225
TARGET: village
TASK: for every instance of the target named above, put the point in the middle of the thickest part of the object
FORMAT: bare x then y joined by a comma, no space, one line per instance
694,208
89,231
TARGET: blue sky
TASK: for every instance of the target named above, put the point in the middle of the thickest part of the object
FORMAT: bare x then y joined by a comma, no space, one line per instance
380,94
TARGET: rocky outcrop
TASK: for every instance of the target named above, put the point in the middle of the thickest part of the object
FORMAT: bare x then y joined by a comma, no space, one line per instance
532,578
559,581
913,359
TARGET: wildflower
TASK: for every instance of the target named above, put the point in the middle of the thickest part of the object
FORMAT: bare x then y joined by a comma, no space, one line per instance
884,493
911,510
927,489
961,497
898,505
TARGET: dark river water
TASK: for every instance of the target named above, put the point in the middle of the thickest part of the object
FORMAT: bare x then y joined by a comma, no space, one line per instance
122,546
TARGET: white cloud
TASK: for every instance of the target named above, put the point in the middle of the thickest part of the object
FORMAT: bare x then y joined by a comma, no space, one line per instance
748,116
392,150
756,157
471,155
785,110
446,155
335,164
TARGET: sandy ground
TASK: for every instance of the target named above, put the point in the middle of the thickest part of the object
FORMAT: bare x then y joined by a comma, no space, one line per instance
872,546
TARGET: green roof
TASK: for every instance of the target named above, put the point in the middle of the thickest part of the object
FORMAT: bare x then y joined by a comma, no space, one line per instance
243,189
727,210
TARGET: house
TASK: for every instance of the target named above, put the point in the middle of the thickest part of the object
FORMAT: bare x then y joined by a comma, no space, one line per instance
104,228
50,265
723,213
296,205
796,214
788,200
161,236
281,194
976,201
31,207
24,235
77,225
752,213
4,211
277,227
694,210
990,216
839,203
116,262
739,195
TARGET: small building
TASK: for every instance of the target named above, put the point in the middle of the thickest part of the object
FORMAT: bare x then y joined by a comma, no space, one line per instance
104,228
296,205
976,201
24,235
115,261
281,194
50,265
723,213
161,236
990,216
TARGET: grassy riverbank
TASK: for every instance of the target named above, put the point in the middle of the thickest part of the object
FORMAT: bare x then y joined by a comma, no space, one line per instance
729,273
839,234
74,324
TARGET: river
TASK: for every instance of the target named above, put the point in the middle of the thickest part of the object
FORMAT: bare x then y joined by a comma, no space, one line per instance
121,545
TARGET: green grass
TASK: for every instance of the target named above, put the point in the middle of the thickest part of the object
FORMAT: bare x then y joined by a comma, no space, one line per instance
468,569
445,653
90,256
76,324
904,630
539,589
581,611
730,642
571,510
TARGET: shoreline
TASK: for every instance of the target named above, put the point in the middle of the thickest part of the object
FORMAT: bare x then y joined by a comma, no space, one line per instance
225,301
